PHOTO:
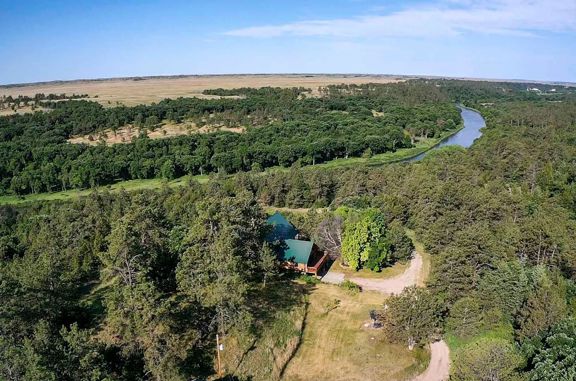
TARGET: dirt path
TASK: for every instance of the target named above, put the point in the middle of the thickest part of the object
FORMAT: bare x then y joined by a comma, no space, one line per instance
396,284
439,368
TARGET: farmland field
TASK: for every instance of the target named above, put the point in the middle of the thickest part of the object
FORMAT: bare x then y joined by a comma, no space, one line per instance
134,91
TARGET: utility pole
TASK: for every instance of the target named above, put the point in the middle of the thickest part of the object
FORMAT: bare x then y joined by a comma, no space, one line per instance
218,349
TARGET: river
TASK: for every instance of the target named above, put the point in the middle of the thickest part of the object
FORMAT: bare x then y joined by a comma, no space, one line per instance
473,122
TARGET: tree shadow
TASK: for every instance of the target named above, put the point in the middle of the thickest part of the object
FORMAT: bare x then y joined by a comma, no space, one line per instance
282,295
279,295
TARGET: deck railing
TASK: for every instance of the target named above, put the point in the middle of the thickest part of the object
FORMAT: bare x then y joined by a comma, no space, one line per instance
318,265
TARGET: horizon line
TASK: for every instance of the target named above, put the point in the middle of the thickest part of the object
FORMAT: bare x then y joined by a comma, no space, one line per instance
176,76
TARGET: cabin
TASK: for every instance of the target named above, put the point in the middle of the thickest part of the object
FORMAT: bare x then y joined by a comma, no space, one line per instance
293,252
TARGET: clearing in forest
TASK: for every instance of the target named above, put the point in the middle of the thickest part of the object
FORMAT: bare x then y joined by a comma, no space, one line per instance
125,134
336,344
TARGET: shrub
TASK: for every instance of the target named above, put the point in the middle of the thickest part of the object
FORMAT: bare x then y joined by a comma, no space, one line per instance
350,287
309,279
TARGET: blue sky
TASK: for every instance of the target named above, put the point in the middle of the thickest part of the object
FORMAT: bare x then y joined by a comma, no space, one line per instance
71,39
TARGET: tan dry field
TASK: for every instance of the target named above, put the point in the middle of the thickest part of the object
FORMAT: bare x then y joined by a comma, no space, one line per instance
133,91
22,110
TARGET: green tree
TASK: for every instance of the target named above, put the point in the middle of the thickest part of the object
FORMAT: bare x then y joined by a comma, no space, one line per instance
401,246
364,239
555,356
465,318
268,263
505,288
224,244
411,317
140,312
545,306
168,170
487,359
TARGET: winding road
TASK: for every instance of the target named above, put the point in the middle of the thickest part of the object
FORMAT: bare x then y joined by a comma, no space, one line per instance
439,367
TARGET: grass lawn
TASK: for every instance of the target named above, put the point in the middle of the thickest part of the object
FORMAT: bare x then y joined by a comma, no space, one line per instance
262,353
336,345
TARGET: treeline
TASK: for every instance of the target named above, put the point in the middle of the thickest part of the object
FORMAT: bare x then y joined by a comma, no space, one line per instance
252,91
20,101
474,93
282,128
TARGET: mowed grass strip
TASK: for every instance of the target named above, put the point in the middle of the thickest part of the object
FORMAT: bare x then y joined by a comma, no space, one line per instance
129,185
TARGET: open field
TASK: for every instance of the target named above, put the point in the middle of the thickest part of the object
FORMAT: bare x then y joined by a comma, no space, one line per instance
22,110
337,346
145,90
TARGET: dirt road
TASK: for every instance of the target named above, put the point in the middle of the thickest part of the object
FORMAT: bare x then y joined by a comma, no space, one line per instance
396,284
439,368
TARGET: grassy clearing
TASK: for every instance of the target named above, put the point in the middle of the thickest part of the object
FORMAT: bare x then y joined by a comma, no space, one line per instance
130,185
164,130
426,259
337,346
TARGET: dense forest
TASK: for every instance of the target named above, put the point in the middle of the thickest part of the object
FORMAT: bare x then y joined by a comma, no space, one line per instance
283,126
134,286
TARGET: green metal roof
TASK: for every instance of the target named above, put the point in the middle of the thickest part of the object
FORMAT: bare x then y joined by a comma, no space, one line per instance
281,228
284,232
297,251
